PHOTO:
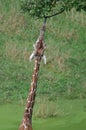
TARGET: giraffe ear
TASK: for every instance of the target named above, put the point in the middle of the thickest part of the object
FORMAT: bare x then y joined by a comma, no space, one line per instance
31,56
44,58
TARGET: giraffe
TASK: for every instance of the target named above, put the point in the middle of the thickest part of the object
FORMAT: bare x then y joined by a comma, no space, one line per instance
37,54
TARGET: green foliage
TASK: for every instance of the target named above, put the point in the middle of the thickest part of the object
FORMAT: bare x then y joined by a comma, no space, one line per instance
77,4
38,8
44,8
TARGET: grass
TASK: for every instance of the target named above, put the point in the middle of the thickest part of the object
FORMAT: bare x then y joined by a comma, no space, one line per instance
72,115
61,124
64,75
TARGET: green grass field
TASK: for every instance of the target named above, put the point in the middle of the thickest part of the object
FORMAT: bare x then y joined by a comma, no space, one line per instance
71,116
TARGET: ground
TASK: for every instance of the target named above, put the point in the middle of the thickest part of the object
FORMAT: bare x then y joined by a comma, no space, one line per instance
73,118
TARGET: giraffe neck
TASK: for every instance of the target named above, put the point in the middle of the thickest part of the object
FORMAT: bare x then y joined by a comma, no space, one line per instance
32,93
27,119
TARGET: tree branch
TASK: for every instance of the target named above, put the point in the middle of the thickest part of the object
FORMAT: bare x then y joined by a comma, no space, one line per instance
57,13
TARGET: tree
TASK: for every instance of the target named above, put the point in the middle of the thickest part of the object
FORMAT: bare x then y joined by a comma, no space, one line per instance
48,8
